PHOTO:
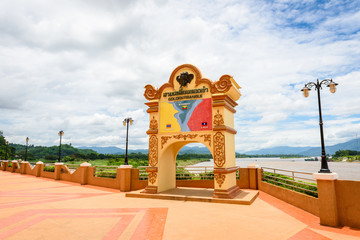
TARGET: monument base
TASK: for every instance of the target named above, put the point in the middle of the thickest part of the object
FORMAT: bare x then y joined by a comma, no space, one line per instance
246,197
150,190
228,193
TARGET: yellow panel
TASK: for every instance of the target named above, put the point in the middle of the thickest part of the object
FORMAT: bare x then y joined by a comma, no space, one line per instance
167,112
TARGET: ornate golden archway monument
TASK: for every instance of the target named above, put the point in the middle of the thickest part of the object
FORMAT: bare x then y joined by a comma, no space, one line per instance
192,109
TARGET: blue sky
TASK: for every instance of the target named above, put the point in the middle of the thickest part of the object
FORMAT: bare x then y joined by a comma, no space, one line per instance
81,66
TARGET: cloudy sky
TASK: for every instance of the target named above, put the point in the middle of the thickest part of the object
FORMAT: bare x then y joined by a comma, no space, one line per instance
81,66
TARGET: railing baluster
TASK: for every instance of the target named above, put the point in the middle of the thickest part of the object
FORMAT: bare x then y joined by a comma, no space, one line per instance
287,180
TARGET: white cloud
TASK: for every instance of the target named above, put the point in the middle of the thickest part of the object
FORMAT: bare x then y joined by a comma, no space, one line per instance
80,66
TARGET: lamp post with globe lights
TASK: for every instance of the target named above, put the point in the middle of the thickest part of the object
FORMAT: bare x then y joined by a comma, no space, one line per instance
318,86
126,123
61,133
27,141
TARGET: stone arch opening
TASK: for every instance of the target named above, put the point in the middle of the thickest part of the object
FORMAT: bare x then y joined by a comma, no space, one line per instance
192,109
167,163
193,145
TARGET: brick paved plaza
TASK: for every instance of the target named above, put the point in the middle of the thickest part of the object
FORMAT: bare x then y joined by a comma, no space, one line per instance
40,208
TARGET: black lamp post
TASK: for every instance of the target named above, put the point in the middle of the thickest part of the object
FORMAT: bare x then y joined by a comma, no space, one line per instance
27,141
61,133
6,149
126,123
318,86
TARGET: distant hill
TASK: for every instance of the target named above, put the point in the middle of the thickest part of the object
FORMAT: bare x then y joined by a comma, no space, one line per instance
113,150
116,150
278,150
350,145
283,150
307,151
198,150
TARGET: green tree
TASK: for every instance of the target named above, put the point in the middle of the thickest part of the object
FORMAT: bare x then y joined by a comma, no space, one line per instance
51,157
5,149
345,153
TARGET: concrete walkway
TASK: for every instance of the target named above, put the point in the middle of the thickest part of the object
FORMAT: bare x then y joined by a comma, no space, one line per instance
40,208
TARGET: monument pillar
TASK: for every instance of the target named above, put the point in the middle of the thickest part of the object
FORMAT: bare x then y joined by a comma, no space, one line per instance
224,147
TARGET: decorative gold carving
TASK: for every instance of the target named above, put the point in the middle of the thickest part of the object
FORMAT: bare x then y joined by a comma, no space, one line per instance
207,138
153,124
153,150
225,128
224,101
153,107
225,170
185,136
220,179
184,67
184,79
164,140
222,85
218,119
219,149
152,177
151,92
151,169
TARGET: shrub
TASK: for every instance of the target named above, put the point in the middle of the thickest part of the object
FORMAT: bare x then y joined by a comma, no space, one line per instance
143,176
70,158
206,176
49,169
287,182
183,174
115,162
106,174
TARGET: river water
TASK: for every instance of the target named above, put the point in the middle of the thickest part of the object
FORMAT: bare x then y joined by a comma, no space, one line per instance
345,170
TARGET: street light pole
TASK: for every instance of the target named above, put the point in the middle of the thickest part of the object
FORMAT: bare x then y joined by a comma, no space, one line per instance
27,141
318,87
6,149
126,123
61,133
